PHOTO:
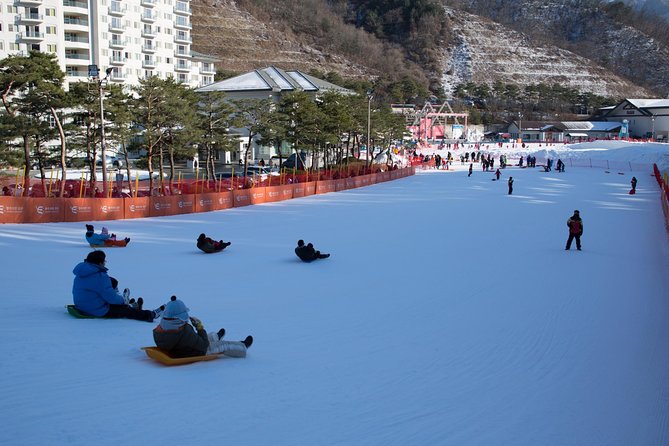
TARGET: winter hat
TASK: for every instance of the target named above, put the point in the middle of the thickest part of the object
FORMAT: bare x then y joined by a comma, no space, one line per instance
89,228
576,212
176,309
201,237
105,230
300,243
96,257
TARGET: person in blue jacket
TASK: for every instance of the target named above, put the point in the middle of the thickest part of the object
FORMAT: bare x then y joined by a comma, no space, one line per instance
94,294
103,238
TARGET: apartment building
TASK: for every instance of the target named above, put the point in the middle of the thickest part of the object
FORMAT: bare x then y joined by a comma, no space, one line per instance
135,38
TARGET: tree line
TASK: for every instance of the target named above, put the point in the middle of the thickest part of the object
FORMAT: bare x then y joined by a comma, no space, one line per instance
168,121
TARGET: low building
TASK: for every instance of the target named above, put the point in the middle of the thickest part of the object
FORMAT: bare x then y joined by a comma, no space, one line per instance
646,118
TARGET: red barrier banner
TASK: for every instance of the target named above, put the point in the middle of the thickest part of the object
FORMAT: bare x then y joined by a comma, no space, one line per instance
185,204
323,187
163,206
242,197
79,209
258,195
107,208
286,192
139,207
350,183
340,184
310,188
13,209
213,201
280,193
299,190
44,210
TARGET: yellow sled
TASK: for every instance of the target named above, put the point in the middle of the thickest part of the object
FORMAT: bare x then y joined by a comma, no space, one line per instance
158,355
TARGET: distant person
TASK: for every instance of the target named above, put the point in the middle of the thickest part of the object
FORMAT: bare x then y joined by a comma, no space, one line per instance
307,253
575,225
498,174
180,339
261,163
471,168
104,238
95,295
510,183
208,245
633,182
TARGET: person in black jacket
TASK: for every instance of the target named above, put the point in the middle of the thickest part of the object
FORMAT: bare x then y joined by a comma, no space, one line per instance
307,253
209,246
575,225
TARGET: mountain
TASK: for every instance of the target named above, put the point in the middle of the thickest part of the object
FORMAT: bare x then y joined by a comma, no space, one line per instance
656,7
584,44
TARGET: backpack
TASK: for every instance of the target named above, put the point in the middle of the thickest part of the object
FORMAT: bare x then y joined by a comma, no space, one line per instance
574,226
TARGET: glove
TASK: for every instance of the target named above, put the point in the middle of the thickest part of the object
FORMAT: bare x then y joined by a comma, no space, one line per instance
197,323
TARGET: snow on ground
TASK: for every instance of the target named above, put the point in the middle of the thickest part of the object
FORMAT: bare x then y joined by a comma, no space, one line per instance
449,313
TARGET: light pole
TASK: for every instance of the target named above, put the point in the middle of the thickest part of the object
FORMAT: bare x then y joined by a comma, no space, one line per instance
370,96
520,127
652,120
102,83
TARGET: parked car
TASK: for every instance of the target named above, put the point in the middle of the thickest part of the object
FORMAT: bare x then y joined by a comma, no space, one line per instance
112,161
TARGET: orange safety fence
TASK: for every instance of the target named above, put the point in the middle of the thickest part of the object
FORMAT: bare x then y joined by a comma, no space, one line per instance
183,197
664,192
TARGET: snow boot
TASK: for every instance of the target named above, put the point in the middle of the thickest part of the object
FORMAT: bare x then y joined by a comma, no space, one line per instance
221,333
158,312
248,341
127,240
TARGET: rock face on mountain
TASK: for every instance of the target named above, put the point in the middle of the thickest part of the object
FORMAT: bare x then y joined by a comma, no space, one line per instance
485,52
604,58
242,43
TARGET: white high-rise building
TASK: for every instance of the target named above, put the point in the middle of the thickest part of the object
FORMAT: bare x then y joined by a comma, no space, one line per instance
135,38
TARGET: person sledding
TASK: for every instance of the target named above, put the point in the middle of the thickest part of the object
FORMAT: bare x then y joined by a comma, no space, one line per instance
96,294
104,238
209,245
307,253
179,339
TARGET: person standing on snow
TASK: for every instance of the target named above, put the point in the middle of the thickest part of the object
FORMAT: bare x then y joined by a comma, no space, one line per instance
575,225
498,174
633,185
510,182
471,168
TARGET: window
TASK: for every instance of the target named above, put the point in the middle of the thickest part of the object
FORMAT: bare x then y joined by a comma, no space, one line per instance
168,60
50,12
2,45
12,9
13,46
35,47
10,28
51,30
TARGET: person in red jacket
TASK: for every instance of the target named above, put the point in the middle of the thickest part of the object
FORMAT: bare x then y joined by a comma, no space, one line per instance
575,225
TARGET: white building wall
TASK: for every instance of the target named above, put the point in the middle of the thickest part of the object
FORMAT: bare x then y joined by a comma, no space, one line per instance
136,38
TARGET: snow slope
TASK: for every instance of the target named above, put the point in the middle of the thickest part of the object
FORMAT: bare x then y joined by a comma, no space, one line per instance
449,313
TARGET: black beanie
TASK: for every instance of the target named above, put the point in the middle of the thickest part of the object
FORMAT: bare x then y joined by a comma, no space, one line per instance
97,257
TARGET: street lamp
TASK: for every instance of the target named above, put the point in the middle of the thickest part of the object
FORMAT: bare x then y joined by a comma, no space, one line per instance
652,120
370,96
102,83
520,127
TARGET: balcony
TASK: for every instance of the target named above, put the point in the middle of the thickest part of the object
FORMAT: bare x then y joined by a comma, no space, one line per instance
182,38
118,9
182,23
75,4
31,35
149,48
77,59
181,8
73,72
148,32
207,69
29,2
149,63
148,16
31,18
149,3
117,75
183,53
182,67
118,43
116,27
75,21
117,60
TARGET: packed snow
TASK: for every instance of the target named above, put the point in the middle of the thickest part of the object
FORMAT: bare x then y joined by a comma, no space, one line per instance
448,314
